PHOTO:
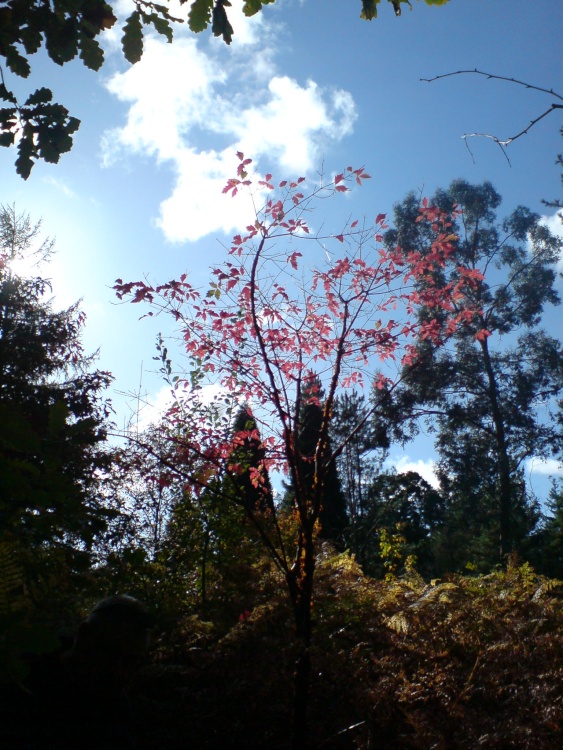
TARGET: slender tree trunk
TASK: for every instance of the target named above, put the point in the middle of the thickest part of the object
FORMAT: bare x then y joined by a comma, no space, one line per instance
204,570
301,591
503,462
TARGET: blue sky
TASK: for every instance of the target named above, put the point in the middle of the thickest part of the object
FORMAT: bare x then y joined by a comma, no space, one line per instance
305,84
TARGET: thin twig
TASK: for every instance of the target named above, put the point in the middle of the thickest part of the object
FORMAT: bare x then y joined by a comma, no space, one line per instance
500,144
496,77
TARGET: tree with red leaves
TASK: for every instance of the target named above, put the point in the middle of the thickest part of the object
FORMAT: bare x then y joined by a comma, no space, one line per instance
289,304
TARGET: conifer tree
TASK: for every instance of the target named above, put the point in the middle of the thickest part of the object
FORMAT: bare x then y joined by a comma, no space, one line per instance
250,482
333,517
53,419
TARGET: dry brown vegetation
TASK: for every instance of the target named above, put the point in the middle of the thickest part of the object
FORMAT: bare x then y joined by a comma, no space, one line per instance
465,662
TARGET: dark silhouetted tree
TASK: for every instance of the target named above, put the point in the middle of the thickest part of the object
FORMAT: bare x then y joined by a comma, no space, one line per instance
53,418
492,393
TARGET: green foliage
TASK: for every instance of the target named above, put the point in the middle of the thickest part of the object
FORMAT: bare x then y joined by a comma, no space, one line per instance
462,662
52,418
369,7
557,202
401,520
546,548
332,516
45,128
251,7
199,16
132,39
492,400
215,558
66,30
18,637
221,25
360,446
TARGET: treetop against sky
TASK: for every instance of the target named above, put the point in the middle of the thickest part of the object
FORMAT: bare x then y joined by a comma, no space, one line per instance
299,91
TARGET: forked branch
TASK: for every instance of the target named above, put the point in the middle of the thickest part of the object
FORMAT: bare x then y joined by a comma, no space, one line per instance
502,144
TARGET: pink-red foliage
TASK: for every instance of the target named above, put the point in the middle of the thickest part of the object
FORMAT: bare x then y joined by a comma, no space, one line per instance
341,307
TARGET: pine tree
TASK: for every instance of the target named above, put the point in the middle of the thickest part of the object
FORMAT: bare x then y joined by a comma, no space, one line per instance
403,504
547,545
251,482
362,453
53,420
333,518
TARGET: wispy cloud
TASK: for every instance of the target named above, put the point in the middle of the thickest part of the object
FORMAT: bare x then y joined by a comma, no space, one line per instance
60,185
192,105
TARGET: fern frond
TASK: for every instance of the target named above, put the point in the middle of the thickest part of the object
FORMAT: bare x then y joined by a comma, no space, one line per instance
545,588
435,594
398,623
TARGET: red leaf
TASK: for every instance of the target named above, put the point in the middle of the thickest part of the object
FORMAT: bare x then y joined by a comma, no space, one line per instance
338,178
293,259
339,237
482,335
380,218
341,188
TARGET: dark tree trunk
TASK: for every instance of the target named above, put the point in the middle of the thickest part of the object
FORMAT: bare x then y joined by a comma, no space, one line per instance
301,591
503,462
204,571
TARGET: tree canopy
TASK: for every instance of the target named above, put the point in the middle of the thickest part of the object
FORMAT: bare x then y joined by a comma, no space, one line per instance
53,418
53,425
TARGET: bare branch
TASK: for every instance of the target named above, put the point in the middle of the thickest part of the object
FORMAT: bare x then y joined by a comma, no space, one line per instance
500,144
506,142
496,77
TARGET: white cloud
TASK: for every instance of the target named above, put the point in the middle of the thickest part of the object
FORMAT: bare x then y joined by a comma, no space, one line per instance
555,226
248,31
548,467
193,109
293,123
426,469
197,205
151,408
170,91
